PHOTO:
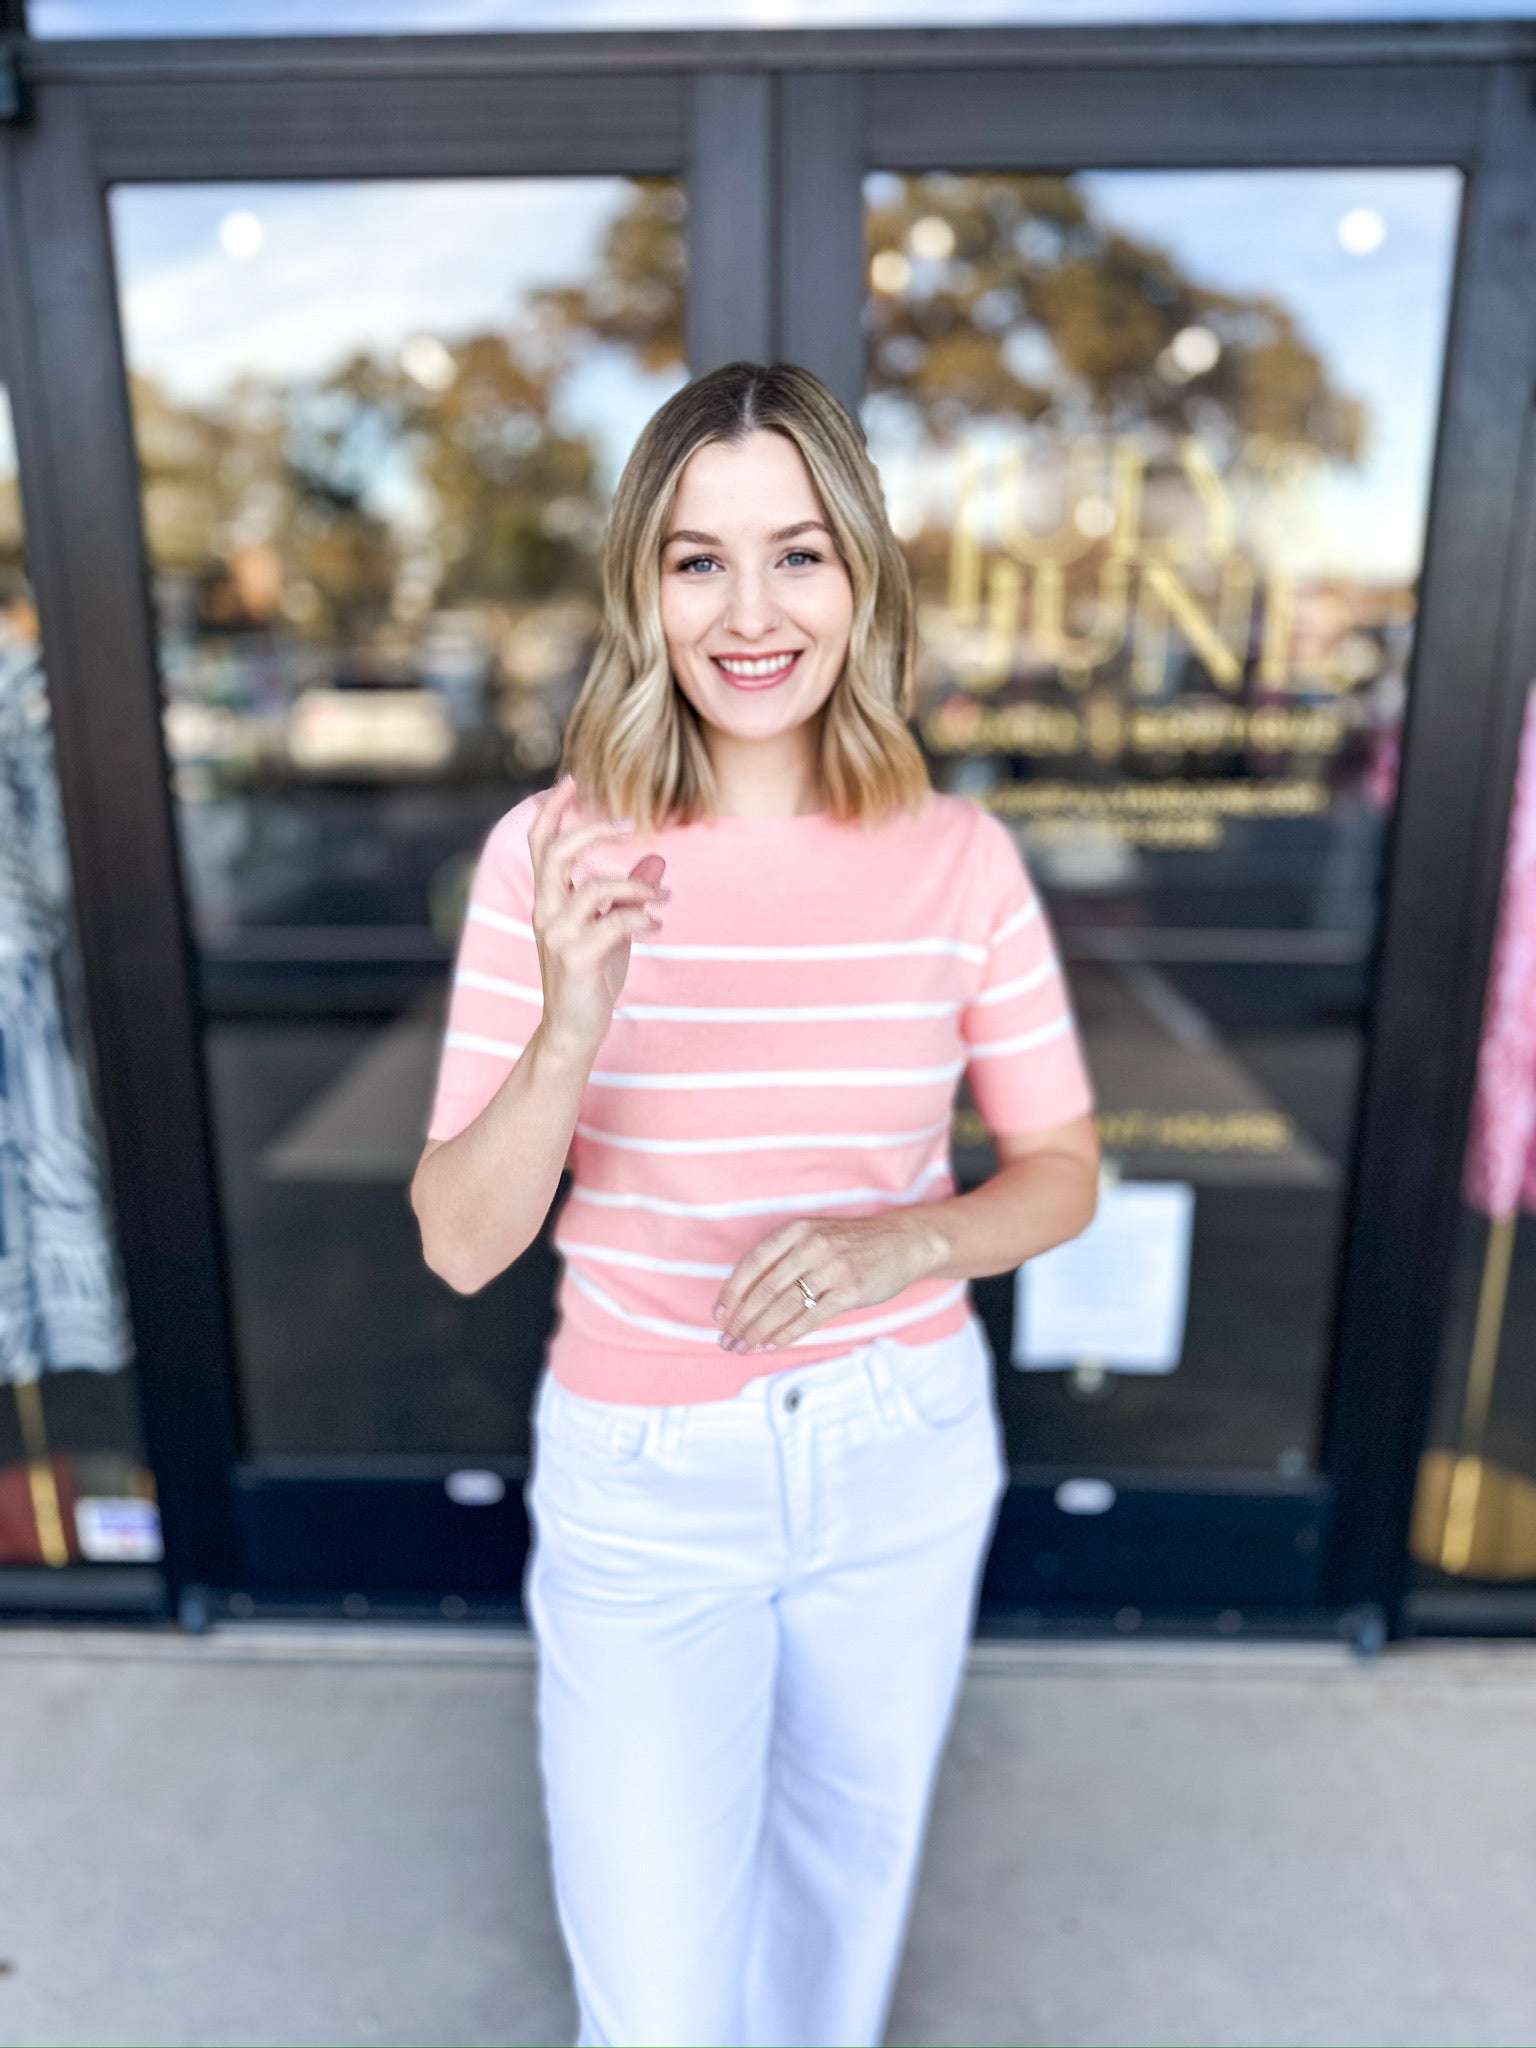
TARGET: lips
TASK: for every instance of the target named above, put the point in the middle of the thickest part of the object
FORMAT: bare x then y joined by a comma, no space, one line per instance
762,672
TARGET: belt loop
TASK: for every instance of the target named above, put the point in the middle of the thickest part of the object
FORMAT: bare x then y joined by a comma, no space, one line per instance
669,1429
543,1400
877,1364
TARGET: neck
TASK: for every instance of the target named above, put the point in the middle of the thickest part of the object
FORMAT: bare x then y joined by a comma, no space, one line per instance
766,778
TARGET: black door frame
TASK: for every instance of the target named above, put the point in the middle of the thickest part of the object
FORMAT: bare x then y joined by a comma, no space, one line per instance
774,131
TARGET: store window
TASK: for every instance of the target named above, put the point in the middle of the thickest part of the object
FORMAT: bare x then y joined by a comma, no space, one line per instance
377,425
1159,445
73,1482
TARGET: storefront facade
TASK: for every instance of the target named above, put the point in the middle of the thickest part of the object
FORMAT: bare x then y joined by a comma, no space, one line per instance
1198,365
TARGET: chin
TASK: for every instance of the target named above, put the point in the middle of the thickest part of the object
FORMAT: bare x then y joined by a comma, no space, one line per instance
749,714
739,722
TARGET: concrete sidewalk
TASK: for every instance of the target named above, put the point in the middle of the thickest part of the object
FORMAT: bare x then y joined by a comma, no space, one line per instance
325,1837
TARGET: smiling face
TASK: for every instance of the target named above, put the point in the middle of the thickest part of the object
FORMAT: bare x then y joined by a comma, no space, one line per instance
756,603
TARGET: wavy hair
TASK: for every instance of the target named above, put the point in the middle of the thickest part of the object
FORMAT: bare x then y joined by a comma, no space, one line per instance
634,743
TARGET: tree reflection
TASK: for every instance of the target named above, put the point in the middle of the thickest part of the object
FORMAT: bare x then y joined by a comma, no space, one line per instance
394,485
1008,297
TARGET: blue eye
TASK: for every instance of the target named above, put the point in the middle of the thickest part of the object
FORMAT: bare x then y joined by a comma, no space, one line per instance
693,561
805,554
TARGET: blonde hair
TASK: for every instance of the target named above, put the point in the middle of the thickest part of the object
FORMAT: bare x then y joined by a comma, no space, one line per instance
633,742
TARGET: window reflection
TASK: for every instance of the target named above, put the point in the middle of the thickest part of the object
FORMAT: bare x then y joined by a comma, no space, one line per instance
374,489
1159,447
377,425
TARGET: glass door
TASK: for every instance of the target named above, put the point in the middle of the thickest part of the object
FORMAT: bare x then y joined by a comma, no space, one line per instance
376,426
1159,444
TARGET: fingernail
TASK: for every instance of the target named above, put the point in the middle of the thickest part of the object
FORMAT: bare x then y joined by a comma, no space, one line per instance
719,1312
770,1345
724,1341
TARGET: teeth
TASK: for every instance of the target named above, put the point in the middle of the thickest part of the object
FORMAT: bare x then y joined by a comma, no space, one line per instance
767,665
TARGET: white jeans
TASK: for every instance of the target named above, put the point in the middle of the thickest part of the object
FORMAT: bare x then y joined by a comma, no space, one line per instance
752,1618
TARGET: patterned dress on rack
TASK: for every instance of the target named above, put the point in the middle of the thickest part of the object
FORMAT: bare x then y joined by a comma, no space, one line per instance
61,1299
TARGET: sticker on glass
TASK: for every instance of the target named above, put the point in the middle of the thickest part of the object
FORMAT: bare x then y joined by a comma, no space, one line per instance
118,1531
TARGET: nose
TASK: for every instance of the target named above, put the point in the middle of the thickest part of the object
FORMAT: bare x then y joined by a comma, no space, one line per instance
750,611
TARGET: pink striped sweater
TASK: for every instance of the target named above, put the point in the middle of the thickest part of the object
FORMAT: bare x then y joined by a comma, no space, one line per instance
789,1044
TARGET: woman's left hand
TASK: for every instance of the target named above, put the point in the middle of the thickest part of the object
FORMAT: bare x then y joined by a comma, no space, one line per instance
845,1264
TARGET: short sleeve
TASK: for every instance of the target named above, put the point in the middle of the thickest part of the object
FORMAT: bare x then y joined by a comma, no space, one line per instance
1026,1066
497,996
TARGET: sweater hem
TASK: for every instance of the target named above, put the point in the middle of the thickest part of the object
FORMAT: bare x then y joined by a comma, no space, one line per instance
599,1371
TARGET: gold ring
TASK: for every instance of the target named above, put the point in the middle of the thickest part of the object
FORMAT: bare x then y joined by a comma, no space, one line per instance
805,1293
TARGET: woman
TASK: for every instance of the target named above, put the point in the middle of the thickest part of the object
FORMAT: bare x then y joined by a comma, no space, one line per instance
767,1456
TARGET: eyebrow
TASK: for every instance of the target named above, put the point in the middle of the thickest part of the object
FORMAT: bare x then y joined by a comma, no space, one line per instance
712,540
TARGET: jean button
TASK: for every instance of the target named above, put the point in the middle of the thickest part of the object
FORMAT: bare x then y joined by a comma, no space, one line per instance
792,1399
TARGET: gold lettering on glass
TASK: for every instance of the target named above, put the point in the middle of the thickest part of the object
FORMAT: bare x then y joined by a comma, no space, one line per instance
1140,554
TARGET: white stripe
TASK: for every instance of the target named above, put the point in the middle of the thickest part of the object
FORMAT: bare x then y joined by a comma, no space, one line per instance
705,1333
1025,1039
792,1077
870,949
468,977
1020,985
875,1326
1017,922
468,1041
763,1205
810,1141
604,1254
478,914
811,1013
692,1333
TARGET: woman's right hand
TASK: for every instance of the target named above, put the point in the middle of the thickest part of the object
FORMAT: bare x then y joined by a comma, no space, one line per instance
584,931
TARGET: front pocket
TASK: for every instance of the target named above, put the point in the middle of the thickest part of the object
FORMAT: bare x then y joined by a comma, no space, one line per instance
946,1388
610,1432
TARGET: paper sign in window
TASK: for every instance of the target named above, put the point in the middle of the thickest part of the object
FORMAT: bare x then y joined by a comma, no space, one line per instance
1117,1295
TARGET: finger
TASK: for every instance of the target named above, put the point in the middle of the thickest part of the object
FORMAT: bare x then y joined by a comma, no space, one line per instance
600,939
774,1306
566,846
607,892
796,1263
549,820
547,813
789,1316
578,918
802,1321
595,941
796,1260
751,1265
824,1265
564,851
